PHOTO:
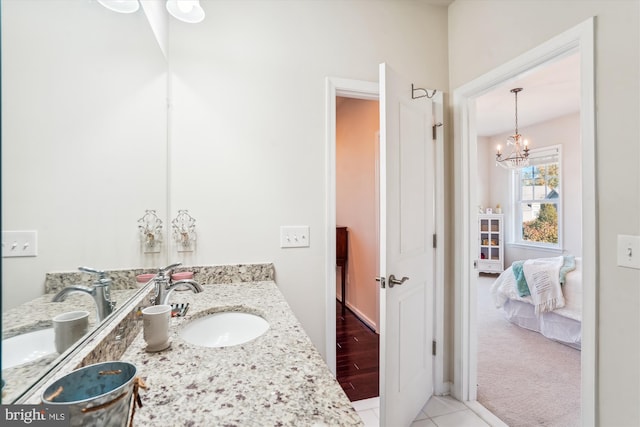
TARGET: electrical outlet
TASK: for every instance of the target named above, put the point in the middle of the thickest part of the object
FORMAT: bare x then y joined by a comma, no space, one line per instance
19,243
294,236
629,251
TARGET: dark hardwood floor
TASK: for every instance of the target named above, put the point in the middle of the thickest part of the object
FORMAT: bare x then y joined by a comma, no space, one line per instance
357,354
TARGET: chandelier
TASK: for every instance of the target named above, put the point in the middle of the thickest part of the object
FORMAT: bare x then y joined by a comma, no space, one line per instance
519,155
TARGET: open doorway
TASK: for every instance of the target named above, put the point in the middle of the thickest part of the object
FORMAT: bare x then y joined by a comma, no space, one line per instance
578,39
357,247
413,123
536,214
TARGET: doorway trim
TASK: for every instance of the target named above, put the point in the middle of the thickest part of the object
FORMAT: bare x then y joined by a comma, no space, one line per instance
370,91
577,39
350,89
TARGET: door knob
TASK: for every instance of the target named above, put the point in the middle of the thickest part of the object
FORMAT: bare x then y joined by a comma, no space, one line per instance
393,281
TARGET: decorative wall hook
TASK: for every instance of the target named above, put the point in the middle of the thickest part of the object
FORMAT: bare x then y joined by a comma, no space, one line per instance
426,92
150,228
184,231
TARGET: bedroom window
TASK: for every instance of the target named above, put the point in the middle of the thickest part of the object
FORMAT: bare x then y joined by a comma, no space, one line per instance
538,200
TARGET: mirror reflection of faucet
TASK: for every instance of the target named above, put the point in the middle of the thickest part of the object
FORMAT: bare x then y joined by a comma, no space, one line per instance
164,285
99,291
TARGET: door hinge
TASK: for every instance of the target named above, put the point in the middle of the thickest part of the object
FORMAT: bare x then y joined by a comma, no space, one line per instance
435,241
433,347
434,128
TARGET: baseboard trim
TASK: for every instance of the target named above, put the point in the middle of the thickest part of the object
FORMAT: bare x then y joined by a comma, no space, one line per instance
371,324
443,389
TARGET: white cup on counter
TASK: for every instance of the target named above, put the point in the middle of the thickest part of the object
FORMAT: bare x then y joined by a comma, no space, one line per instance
156,319
69,327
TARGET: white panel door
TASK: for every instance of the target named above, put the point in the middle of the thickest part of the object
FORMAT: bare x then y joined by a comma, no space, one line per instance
407,181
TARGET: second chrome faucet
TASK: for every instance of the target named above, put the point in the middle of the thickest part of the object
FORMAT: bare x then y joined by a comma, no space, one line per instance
164,286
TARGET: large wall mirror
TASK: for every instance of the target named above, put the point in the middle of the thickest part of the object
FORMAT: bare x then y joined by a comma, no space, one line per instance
84,140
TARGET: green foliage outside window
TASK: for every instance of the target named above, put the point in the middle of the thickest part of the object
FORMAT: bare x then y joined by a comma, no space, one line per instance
544,228
539,185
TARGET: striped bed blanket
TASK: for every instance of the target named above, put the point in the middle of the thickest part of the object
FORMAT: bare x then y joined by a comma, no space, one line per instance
550,284
545,276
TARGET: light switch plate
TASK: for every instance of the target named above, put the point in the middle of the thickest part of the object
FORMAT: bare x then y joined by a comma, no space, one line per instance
19,243
629,251
294,236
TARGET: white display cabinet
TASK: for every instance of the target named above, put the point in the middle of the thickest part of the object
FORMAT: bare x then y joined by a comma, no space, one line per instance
490,243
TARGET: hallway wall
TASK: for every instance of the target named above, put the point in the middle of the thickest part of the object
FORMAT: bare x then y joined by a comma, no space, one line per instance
357,126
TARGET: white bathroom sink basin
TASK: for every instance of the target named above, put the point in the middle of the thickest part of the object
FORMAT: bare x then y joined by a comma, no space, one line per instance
27,347
224,329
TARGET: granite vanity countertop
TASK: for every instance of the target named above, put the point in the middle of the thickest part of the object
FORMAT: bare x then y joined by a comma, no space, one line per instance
277,379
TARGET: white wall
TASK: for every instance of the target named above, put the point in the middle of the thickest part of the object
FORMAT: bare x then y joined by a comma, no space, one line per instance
564,131
158,19
83,138
485,183
484,34
248,121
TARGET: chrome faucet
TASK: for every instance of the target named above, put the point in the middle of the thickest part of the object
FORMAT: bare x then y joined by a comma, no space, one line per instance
99,290
164,286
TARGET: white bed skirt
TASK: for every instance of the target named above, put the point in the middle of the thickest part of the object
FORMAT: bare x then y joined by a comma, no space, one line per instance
551,325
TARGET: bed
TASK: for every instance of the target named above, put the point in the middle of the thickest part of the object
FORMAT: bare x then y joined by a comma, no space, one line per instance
561,324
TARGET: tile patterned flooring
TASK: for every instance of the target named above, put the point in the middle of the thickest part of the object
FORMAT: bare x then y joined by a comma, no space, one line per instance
440,411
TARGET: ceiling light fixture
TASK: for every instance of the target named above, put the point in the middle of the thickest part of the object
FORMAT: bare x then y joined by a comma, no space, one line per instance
186,10
121,6
519,155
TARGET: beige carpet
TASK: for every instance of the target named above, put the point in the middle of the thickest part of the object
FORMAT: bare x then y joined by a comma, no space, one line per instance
524,378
